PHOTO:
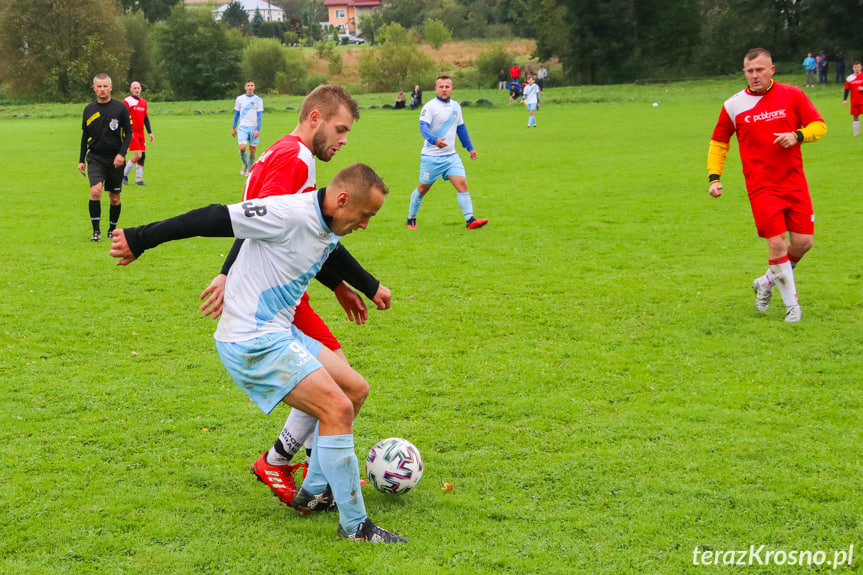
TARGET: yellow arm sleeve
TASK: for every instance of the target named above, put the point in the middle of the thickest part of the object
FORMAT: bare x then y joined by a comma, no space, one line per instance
813,132
716,157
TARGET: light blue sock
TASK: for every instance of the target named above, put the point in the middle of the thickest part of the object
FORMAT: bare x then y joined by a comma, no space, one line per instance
245,159
416,202
465,203
315,482
338,461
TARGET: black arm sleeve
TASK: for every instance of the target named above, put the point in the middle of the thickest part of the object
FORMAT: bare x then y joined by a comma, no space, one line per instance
84,139
232,256
846,94
147,124
214,221
126,122
342,266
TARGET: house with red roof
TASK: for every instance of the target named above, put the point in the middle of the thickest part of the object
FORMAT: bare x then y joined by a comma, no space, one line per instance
345,15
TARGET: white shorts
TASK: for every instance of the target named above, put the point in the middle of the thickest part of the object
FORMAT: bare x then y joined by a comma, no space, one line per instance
270,366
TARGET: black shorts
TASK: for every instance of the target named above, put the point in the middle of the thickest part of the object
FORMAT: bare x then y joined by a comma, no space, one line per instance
101,169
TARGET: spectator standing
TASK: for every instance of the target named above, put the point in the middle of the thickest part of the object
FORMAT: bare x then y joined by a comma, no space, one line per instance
501,79
541,77
810,65
822,68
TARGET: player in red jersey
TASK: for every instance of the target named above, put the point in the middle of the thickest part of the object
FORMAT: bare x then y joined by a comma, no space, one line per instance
854,88
140,120
771,121
288,167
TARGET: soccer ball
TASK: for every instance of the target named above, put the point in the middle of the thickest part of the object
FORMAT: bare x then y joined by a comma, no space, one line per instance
394,465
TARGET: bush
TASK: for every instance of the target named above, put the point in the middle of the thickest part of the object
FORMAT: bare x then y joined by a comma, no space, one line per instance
265,58
490,63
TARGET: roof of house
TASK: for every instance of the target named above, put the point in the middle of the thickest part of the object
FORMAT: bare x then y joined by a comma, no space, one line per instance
251,5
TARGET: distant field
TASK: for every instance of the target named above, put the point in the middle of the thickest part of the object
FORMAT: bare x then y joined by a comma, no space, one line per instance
587,370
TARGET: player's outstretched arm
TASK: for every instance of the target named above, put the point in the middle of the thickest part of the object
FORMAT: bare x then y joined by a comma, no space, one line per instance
214,221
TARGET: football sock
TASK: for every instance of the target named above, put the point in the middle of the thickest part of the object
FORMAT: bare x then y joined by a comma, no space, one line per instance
251,160
416,202
767,279
856,125
337,462
783,277
128,168
298,428
245,159
113,216
465,203
95,214
139,173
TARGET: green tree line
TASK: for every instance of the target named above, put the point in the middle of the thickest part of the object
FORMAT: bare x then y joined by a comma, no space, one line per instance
51,49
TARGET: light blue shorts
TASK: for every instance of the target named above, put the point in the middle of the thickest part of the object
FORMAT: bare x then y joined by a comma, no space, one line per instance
434,167
269,367
531,107
244,135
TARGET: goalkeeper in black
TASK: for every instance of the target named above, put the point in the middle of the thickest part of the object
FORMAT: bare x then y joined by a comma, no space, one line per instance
107,133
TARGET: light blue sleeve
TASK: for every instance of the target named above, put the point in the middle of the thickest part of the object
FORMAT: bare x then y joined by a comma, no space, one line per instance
236,118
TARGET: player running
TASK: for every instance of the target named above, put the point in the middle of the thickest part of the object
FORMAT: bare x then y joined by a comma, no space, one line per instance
140,119
248,117
854,88
440,122
288,238
771,121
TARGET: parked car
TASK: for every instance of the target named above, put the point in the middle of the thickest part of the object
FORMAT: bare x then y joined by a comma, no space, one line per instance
348,39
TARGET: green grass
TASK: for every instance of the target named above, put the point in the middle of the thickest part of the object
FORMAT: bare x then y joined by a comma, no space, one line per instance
587,370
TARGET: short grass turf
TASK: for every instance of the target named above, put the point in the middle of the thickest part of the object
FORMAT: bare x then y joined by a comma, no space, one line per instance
587,371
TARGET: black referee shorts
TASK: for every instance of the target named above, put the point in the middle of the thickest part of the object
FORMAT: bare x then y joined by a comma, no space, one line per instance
101,169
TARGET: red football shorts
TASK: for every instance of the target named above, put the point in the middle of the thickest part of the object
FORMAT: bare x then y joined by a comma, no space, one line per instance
778,211
311,324
139,142
856,109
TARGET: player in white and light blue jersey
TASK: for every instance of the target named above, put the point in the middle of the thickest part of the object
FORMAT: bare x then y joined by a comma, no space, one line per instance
530,97
248,116
440,122
288,237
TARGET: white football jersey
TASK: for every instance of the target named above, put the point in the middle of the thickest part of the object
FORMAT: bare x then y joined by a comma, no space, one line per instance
443,118
286,244
248,107
531,94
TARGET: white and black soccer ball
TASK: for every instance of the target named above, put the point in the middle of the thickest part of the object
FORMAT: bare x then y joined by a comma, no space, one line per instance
394,465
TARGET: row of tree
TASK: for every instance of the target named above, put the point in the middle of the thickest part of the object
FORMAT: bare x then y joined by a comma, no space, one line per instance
50,49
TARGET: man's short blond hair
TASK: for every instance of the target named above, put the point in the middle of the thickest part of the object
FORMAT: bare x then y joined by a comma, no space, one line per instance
328,99
360,180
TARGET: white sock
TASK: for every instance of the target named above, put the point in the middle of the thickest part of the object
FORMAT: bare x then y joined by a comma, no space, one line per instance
767,280
298,429
783,277
128,169
856,125
139,173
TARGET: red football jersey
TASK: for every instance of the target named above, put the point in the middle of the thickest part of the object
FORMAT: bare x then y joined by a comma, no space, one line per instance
137,111
287,167
852,83
756,119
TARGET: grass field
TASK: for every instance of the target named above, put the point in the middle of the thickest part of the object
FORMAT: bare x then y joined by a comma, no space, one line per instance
587,370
